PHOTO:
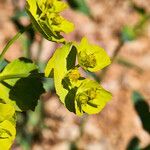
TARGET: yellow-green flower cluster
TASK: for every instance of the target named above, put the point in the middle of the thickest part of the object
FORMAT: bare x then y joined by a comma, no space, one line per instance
90,97
91,57
80,95
46,18
7,126
73,77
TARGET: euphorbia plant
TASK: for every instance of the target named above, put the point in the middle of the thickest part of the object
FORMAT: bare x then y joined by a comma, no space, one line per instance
20,80
76,92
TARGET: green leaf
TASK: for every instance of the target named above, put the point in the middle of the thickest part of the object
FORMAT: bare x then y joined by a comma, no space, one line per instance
134,144
142,108
26,92
19,67
80,5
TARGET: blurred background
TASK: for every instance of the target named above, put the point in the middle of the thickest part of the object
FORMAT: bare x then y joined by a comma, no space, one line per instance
122,28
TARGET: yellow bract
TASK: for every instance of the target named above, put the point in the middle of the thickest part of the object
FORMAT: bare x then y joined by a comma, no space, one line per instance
78,94
52,5
46,18
58,66
90,97
7,126
7,134
6,111
91,57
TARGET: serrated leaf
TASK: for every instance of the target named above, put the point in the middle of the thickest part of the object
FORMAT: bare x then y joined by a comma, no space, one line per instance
20,66
26,92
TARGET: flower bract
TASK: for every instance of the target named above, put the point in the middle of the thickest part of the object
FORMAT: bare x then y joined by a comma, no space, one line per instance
91,57
80,95
46,18
7,126
90,97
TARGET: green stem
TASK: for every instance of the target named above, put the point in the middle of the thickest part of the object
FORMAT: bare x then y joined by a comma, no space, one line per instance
13,40
6,77
15,76
117,50
129,64
115,54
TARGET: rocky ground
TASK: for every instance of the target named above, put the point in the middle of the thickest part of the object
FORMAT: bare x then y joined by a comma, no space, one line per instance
118,123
